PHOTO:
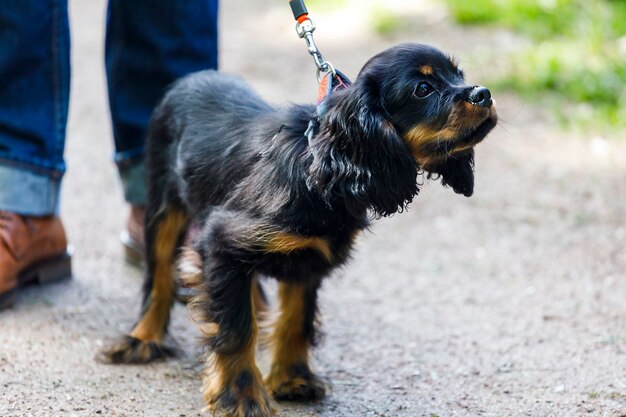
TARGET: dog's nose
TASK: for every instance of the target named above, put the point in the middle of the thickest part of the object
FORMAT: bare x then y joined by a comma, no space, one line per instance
481,96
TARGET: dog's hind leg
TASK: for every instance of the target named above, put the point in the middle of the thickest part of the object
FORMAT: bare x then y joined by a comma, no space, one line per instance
165,230
166,224
294,333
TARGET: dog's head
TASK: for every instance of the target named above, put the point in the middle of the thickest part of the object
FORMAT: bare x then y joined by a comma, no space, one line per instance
408,109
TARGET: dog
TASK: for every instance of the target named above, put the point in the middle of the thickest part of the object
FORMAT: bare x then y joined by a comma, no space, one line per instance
283,193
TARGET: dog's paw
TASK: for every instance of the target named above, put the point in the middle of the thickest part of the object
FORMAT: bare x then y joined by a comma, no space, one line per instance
296,384
245,396
132,350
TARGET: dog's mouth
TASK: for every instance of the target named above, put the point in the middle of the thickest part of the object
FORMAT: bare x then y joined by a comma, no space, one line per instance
473,135
465,127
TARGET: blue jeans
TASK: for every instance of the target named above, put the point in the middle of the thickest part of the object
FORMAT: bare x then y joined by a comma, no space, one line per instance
149,44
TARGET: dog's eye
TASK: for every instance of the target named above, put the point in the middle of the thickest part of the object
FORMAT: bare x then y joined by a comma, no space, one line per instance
423,89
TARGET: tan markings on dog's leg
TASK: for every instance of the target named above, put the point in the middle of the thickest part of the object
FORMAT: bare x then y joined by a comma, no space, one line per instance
281,242
426,70
151,326
234,378
288,343
290,377
222,369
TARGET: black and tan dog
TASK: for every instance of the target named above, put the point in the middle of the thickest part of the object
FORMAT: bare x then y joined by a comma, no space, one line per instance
273,201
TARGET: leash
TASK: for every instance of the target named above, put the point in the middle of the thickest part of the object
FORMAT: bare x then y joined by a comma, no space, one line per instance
329,78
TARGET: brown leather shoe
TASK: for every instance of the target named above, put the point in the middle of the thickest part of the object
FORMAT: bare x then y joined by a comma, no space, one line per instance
32,250
132,238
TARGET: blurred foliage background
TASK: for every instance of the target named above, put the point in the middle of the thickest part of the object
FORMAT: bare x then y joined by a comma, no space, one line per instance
573,60
577,61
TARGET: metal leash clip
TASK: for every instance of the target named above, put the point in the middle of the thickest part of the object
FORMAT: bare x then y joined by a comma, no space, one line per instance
305,27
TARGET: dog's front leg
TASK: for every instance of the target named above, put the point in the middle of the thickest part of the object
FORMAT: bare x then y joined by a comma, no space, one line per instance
290,377
224,308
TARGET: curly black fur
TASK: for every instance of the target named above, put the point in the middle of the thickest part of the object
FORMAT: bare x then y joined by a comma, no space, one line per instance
359,161
272,202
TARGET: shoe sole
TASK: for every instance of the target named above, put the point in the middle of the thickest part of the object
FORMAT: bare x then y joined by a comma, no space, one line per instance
48,270
133,251
7,299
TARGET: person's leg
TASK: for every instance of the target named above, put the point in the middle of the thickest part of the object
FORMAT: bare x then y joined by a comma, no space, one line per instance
150,44
34,95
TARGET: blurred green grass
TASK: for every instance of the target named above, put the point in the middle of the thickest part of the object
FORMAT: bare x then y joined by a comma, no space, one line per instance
577,61
324,5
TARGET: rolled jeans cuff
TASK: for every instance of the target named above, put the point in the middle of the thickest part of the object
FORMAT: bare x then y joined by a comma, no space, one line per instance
134,183
27,193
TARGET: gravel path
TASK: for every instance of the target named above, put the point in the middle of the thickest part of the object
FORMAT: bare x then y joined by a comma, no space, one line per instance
510,303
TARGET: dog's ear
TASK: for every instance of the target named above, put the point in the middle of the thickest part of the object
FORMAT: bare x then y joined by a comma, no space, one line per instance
458,172
358,155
